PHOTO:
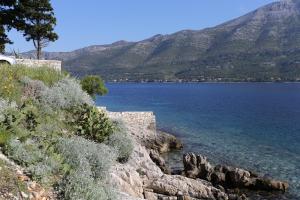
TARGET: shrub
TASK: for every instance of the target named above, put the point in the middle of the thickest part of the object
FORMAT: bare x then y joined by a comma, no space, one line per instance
4,137
6,105
90,163
26,117
42,165
93,85
91,123
122,142
80,186
32,89
86,155
25,153
65,94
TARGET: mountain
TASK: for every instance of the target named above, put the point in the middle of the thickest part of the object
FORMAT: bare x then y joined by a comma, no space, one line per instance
263,45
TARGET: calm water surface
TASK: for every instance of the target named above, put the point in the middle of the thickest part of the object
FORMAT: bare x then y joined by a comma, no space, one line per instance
251,125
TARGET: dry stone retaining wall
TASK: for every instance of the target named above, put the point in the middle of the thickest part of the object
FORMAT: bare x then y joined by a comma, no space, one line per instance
56,64
142,119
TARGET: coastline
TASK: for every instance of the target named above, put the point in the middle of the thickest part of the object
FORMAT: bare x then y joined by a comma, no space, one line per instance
147,176
201,82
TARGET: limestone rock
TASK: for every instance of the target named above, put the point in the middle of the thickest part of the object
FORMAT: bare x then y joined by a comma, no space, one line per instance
159,161
197,166
179,186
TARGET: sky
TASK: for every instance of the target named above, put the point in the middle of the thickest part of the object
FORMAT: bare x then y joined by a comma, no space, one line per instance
95,22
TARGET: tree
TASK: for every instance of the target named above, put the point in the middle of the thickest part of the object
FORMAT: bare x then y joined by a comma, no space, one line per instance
93,85
39,22
7,20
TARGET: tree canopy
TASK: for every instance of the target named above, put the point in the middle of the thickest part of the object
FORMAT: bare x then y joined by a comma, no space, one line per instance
93,85
35,18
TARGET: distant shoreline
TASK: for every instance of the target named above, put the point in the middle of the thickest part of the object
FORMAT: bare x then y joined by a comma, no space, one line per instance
205,82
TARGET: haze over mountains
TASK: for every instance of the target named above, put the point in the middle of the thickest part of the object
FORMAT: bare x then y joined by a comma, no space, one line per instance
263,45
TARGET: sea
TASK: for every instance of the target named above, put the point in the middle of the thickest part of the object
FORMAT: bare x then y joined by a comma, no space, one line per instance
248,125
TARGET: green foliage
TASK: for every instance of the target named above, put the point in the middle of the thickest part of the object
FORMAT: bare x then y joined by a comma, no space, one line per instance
38,132
91,123
122,142
12,81
26,117
7,18
38,22
93,85
4,137
48,76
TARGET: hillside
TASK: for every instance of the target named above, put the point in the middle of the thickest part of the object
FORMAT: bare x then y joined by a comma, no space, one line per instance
263,45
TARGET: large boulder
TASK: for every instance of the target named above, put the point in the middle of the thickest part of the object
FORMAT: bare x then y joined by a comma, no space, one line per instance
197,166
179,186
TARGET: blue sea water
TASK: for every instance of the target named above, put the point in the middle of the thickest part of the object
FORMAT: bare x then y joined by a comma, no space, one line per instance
250,125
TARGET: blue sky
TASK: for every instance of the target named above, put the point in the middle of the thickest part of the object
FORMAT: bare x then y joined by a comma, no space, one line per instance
89,22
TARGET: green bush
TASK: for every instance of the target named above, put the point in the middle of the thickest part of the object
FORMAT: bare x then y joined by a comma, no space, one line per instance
122,142
4,137
40,112
25,117
91,123
93,85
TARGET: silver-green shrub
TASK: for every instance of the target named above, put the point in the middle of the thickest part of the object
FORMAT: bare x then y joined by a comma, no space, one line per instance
90,163
87,155
37,161
65,94
80,186
25,153
6,105
121,141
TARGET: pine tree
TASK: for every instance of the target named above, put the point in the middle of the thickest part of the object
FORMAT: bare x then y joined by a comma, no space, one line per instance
39,22
7,20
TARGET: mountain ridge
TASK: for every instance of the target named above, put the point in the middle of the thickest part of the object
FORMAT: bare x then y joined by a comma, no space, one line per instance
263,45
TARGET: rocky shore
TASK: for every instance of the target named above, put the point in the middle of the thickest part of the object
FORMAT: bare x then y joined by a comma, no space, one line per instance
146,175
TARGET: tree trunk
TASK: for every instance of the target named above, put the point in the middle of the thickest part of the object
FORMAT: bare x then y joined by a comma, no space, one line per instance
38,50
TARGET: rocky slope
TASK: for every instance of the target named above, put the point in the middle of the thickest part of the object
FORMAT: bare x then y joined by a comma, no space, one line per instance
262,45
145,175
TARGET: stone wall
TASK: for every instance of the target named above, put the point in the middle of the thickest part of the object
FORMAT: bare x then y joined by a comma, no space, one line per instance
56,64
141,119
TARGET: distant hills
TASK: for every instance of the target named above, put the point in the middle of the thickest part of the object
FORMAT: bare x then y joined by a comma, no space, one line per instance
263,45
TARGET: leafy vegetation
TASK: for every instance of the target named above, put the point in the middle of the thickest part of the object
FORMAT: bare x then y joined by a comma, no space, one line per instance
34,18
51,127
90,123
93,85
